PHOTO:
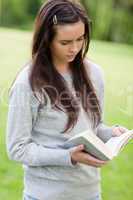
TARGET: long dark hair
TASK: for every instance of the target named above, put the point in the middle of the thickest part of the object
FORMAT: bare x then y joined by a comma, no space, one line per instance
43,72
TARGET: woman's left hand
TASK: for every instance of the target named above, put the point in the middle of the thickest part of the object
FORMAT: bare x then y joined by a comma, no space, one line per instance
119,130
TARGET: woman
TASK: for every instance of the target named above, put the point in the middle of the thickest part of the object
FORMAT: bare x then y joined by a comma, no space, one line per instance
56,96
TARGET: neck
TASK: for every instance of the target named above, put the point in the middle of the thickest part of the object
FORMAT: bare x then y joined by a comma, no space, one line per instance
61,67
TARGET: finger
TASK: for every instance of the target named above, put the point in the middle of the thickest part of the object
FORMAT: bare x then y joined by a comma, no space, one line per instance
122,129
77,148
80,147
100,164
97,165
93,159
119,131
116,131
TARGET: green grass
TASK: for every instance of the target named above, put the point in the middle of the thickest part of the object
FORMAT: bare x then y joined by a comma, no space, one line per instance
117,63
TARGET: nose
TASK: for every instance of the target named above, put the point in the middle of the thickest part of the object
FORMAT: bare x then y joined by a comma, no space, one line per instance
74,48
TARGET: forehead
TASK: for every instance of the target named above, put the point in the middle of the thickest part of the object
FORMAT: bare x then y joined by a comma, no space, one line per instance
70,31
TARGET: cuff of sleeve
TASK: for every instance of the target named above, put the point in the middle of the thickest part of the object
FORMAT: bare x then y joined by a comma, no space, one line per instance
71,163
105,132
115,125
58,157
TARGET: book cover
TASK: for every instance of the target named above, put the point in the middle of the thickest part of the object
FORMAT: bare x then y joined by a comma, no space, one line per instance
96,147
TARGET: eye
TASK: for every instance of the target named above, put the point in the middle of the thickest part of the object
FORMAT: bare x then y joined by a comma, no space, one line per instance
80,39
64,43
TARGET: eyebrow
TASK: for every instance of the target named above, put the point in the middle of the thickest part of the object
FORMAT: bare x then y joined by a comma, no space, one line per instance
72,40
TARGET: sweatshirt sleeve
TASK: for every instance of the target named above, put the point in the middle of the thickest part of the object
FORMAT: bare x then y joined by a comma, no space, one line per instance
103,131
20,146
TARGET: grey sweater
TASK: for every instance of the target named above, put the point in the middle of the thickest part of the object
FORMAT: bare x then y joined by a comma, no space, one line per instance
34,139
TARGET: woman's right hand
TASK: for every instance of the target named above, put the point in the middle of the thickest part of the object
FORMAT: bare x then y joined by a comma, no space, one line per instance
77,155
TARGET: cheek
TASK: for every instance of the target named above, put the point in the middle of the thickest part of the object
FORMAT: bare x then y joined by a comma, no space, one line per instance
81,45
56,50
62,49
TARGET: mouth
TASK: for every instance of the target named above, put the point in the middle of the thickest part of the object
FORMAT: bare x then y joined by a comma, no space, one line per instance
71,56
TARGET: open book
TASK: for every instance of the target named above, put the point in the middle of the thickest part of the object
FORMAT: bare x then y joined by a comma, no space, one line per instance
96,147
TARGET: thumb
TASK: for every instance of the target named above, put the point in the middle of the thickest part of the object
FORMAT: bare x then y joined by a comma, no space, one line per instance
79,147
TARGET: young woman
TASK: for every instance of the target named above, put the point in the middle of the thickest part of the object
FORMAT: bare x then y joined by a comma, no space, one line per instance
56,96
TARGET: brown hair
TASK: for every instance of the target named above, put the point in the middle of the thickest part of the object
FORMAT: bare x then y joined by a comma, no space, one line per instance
43,73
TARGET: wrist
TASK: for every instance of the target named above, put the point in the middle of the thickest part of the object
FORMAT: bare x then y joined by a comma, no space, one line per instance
114,130
73,161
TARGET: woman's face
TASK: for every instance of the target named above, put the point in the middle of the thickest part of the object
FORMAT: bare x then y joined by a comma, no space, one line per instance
67,42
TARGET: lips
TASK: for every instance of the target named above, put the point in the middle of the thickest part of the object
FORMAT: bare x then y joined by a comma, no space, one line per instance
71,55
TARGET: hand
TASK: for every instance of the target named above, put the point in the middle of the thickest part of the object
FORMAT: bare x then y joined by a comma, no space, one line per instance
119,130
77,155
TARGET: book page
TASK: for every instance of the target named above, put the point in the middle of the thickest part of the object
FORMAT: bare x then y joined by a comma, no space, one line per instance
117,143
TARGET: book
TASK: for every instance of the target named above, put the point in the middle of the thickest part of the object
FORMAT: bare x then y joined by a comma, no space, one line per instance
96,147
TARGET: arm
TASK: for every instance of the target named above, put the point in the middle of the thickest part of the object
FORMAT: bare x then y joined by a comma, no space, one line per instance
20,146
103,131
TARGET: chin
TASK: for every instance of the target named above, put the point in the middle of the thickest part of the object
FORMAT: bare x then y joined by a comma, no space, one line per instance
70,59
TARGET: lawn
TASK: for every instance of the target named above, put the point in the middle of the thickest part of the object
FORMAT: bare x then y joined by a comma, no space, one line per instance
117,63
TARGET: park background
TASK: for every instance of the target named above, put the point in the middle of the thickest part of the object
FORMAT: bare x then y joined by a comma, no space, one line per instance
111,47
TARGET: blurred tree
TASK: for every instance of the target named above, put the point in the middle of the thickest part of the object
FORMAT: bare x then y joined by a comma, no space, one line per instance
101,14
111,20
18,12
13,12
121,29
33,7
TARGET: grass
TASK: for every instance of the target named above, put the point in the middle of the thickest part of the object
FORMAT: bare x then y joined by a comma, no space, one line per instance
116,61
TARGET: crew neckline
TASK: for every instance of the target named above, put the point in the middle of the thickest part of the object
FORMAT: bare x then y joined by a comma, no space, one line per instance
67,73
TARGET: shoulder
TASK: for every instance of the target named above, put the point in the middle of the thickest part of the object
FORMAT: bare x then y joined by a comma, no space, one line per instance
21,86
93,69
95,72
22,78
